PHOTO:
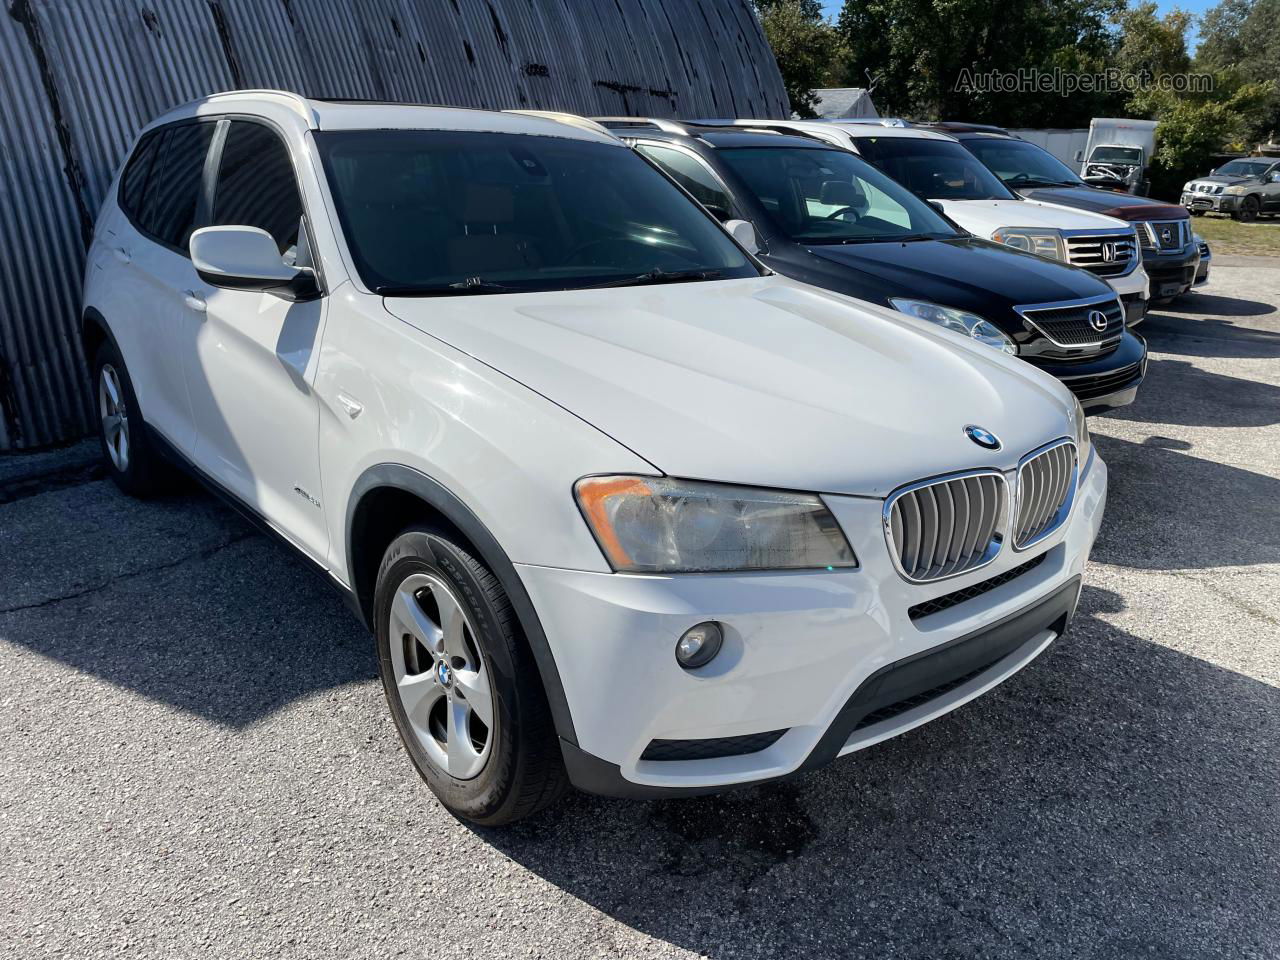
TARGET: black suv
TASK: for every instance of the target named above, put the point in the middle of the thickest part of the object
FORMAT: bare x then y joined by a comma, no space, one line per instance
1170,250
824,216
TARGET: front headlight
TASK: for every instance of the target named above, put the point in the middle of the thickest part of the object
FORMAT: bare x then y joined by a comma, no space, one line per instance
958,321
1042,241
1186,187
1084,442
661,525
1239,188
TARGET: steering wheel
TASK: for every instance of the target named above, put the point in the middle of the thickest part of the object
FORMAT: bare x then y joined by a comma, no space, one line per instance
837,214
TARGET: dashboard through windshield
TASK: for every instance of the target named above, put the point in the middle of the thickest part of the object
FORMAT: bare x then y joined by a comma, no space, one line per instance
818,196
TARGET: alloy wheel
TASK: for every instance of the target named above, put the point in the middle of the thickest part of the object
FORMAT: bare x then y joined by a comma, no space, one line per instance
440,675
115,417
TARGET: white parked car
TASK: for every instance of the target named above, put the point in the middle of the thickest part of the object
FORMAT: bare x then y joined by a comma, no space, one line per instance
620,507
939,168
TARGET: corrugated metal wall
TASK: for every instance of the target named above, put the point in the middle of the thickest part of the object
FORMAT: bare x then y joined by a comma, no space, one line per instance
79,77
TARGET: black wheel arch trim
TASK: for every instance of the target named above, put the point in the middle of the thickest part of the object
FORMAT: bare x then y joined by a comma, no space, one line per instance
453,509
92,318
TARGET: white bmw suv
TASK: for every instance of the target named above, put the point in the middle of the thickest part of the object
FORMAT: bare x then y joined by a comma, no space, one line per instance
621,508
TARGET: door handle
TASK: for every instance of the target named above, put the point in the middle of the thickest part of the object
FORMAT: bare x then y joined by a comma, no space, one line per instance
194,301
122,254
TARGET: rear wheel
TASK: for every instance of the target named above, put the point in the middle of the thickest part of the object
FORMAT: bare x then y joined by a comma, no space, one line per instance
130,458
461,683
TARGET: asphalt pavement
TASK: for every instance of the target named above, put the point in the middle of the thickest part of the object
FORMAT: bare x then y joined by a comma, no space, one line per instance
196,759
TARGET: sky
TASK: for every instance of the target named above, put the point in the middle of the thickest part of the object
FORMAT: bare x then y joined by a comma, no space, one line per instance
1197,7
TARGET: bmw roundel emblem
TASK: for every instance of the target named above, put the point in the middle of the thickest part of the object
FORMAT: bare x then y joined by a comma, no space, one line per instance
982,437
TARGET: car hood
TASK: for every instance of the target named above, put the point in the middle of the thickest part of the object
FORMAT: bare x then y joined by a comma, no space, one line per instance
984,217
1124,206
971,274
761,381
1225,181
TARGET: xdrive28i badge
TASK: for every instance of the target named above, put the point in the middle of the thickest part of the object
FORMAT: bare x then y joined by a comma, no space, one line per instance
982,437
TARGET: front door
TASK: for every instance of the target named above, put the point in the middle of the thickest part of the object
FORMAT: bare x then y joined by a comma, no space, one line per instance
250,357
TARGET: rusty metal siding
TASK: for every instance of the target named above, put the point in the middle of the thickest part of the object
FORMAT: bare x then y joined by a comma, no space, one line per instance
79,77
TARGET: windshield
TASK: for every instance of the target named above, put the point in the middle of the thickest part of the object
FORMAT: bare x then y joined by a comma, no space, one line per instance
829,196
1116,155
439,212
1022,164
937,169
1244,168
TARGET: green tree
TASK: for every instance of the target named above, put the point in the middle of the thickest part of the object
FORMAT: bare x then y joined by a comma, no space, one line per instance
804,45
1242,39
923,51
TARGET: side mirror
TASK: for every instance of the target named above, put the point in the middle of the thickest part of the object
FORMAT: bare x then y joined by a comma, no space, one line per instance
1079,155
744,233
937,207
247,258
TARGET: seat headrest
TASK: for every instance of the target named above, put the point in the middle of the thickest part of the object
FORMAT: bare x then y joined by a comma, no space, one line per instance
843,193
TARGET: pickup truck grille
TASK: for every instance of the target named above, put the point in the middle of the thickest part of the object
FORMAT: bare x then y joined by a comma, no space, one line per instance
1072,326
1107,255
940,528
1046,485
1165,234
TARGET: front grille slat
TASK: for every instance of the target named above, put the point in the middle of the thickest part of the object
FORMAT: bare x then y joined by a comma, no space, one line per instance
1045,488
1087,252
944,527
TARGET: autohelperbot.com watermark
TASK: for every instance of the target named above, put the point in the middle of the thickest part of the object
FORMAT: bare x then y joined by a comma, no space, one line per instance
1065,82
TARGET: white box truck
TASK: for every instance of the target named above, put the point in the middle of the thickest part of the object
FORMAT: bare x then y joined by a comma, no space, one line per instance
1118,154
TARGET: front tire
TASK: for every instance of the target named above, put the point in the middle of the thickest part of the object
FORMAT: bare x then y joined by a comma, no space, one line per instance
461,682
130,458
1249,210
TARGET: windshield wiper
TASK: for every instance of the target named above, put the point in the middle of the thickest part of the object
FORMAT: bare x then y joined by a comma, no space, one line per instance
1037,182
660,276
479,285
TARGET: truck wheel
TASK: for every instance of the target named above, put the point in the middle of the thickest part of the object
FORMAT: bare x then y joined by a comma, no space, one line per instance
132,462
461,682
1249,209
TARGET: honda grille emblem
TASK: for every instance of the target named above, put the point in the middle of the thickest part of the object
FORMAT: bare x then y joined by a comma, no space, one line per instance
1109,253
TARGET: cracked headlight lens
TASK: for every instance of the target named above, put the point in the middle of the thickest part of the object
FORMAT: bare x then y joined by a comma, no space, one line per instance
958,321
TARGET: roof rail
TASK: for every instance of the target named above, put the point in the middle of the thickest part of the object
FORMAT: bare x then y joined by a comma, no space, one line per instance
298,103
796,128
572,119
669,126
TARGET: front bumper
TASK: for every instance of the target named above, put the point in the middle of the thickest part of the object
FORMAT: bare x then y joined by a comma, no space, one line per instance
1171,273
809,656
1107,382
1211,203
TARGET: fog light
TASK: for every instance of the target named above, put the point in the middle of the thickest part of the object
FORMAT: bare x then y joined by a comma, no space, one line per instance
699,644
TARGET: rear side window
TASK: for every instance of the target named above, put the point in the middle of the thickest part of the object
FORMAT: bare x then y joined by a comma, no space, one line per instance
172,191
256,186
133,184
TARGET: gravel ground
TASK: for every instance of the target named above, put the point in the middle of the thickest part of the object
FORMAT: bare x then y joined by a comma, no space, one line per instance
197,761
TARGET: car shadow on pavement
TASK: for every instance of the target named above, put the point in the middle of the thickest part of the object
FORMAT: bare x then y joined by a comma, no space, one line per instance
1116,798
1200,336
1179,392
193,608
1196,303
1168,510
